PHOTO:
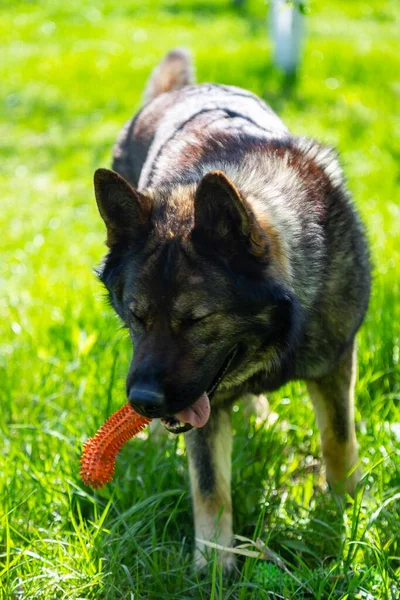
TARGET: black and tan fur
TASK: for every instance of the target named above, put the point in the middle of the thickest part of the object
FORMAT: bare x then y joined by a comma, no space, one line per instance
238,262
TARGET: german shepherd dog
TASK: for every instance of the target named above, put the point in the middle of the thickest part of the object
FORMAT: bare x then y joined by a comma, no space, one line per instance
238,263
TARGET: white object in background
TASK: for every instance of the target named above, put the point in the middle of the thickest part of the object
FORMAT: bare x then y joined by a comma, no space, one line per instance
287,28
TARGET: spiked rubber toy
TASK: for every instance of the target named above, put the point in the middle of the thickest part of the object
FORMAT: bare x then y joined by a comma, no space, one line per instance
100,452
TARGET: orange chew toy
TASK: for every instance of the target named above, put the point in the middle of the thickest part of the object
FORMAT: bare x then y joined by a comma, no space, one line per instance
99,452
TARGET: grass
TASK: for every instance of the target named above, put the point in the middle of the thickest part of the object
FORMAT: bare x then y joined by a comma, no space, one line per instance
71,73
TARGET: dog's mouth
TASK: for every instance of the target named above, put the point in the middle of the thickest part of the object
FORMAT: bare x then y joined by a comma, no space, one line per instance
198,413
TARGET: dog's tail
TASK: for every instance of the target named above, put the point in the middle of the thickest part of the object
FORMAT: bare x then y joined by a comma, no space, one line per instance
174,72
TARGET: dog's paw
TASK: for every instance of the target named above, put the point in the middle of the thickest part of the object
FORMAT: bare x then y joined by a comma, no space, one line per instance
348,485
352,481
204,559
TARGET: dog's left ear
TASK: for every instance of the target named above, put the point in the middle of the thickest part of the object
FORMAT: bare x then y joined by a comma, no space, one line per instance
222,214
125,211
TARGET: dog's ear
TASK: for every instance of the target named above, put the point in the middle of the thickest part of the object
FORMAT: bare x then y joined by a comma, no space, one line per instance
224,215
125,211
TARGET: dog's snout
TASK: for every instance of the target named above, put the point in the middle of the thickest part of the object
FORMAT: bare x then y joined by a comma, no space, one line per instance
147,400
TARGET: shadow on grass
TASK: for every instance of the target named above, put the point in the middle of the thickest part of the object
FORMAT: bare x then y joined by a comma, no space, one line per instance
204,9
286,91
200,9
272,507
323,534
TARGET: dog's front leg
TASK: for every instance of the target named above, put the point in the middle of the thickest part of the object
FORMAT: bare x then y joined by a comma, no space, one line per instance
209,451
333,399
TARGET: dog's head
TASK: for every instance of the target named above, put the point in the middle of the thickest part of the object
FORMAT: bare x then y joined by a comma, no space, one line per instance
188,272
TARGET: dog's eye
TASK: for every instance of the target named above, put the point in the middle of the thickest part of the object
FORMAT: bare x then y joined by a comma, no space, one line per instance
200,317
134,315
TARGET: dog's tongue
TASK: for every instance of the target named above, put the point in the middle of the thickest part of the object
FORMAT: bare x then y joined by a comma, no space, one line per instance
198,414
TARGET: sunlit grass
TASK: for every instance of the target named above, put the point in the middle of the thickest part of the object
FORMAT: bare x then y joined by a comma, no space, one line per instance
71,74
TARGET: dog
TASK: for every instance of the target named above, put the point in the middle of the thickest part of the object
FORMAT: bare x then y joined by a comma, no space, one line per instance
238,262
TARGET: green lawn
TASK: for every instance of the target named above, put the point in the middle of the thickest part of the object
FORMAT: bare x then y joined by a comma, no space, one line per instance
70,74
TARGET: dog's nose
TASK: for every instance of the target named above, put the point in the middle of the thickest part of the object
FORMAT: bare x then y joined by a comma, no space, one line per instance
146,400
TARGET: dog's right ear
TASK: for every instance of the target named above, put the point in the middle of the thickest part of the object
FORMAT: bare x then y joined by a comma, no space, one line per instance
125,211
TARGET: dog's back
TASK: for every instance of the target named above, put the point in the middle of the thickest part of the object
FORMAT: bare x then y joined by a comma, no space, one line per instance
188,126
